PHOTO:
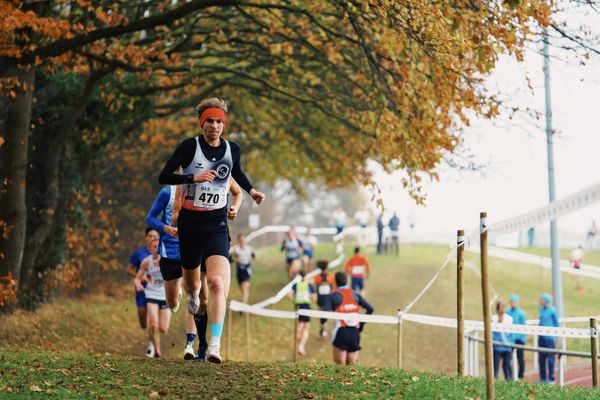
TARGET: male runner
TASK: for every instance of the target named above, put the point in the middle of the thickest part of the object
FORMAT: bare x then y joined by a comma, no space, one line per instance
303,294
308,249
325,283
243,254
293,248
346,334
208,162
357,267
159,315
132,269
168,203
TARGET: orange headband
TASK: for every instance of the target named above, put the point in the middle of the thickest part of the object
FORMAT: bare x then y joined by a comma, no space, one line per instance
212,112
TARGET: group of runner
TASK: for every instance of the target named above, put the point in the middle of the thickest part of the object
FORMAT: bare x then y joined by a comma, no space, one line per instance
192,253
332,293
188,250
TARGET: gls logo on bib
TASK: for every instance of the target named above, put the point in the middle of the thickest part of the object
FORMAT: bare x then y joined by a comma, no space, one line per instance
222,171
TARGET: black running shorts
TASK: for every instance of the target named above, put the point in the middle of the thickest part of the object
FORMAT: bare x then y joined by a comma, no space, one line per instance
170,268
201,236
303,318
347,339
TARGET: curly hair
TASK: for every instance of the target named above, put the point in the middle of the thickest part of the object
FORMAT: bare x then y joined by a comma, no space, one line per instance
213,102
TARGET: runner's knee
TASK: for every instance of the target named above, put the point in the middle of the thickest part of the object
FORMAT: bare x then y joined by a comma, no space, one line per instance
216,284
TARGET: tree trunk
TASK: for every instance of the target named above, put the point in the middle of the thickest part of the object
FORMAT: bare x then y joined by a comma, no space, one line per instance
51,172
13,210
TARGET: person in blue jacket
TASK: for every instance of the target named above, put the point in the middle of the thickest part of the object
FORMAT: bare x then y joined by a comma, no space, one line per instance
548,317
502,353
170,267
519,318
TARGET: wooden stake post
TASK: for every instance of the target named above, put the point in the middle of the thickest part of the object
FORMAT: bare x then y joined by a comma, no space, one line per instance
247,316
228,343
460,304
489,370
295,347
399,344
594,344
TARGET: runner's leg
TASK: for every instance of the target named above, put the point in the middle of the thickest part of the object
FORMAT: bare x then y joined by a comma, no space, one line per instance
152,313
245,289
339,356
352,358
218,275
201,319
305,331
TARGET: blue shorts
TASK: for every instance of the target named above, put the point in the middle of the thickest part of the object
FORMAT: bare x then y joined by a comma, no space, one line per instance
140,299
303,306
358,283
309,253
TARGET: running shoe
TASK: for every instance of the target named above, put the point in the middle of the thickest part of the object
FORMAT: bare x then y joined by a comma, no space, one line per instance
193,302
201,356
174,309
188,352
323,332
213,355
150,353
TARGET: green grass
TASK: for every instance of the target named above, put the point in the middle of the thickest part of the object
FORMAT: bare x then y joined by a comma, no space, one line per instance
106,324
590,257
32,375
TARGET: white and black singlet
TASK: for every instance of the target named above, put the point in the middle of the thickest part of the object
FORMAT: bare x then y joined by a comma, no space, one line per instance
202,224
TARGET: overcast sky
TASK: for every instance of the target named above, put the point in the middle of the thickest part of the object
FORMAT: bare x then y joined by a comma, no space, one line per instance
514,152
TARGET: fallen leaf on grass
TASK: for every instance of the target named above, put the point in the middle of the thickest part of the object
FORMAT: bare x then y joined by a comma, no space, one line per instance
415,378
35,388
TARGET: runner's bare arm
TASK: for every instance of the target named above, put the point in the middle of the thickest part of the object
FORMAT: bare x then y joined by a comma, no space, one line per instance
140,276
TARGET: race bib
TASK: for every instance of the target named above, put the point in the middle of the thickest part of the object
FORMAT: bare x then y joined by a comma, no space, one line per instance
302,297
211,197
324,290
358,270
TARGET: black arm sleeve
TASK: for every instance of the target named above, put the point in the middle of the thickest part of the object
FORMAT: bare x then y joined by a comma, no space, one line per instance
332,302
363,303
182,157
240,177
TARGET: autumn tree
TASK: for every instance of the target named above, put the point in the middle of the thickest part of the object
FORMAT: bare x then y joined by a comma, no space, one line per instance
318,86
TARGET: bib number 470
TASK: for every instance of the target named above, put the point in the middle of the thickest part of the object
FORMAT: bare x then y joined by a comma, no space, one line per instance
208,198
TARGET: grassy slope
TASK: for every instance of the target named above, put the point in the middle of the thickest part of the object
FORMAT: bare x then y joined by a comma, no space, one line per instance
70,375
590,257
107,324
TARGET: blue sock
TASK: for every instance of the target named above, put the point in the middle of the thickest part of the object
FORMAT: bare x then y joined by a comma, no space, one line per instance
216,330
190,337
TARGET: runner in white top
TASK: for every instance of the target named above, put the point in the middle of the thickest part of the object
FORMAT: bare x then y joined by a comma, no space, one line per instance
243,255
158,313
308,249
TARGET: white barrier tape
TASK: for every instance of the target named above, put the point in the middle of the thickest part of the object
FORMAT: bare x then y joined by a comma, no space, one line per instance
300,229
552,211
265,312
287,288
449,257
568,320
372,318
478,325
417,318
586,270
